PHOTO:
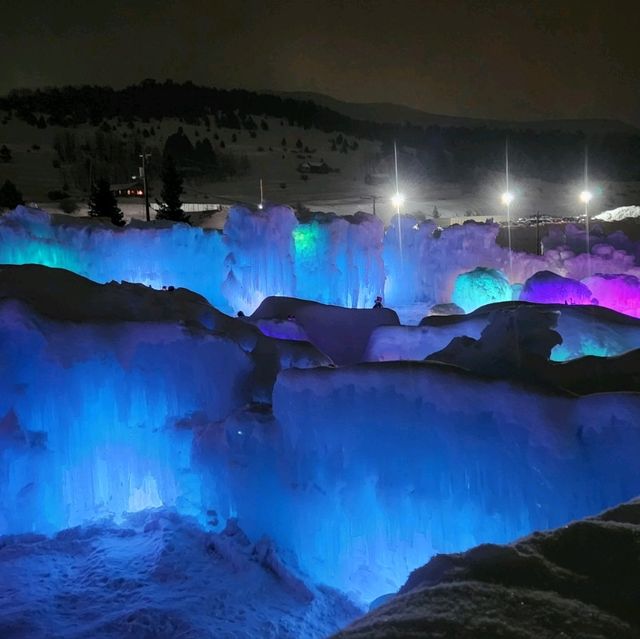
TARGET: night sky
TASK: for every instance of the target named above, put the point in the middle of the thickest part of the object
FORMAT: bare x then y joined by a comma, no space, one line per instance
512,59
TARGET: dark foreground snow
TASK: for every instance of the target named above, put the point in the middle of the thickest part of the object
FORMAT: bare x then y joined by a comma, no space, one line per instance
157,576
577,582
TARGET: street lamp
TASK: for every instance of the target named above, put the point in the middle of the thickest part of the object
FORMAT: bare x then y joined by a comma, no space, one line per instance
507,198
586,196
397,199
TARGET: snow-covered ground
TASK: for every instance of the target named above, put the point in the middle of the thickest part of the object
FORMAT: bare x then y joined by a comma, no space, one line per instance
620,213
575,582
343,193
158,575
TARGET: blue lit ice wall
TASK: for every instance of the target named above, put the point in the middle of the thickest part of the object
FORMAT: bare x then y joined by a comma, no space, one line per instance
361,472
337,260
94,420
336,254
404,461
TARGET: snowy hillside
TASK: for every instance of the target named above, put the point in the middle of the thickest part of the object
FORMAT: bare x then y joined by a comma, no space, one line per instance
621,213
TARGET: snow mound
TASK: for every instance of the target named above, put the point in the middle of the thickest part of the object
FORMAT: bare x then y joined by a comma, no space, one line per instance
158,575
579,581
617,214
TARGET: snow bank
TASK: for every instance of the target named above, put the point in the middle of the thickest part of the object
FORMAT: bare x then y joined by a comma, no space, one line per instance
582,578
159,575
620,213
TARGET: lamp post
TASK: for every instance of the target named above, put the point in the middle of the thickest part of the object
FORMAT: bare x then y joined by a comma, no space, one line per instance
507,197
144,157
585,197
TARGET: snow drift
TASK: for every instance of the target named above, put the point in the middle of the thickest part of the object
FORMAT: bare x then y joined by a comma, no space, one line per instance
578,581
158,574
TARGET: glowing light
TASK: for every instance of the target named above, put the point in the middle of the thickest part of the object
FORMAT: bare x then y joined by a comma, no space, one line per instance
586,196
260,206
507,198
397,199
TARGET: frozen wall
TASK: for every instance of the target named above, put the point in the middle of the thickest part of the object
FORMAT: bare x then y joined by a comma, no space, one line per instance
102,386
90,416
404,461
584,330
361,473
346,261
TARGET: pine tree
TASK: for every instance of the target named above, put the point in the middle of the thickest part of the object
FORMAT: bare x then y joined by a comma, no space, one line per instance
171,205
5,154
103,203
10,197
436,213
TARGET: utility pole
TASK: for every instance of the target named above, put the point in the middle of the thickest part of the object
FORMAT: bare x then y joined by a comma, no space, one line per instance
144,157
538,243
261,205
374,198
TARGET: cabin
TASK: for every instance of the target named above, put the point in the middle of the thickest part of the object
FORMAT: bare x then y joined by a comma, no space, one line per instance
130,189
314,166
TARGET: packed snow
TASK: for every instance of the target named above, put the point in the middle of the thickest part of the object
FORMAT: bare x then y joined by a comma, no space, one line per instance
158,575
575,582
617,214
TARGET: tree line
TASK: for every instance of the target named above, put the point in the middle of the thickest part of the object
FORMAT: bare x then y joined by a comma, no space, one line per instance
447,152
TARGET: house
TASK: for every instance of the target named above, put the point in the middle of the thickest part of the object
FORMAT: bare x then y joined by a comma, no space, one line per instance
314,166
130,189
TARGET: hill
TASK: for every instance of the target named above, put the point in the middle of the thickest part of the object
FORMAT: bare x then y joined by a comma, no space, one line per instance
399,114
58,139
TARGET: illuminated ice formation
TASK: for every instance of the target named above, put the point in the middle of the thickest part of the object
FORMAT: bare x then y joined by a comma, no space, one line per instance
346,261
101,387
480,287
405,460
620,292
550,288
118,398
585,330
